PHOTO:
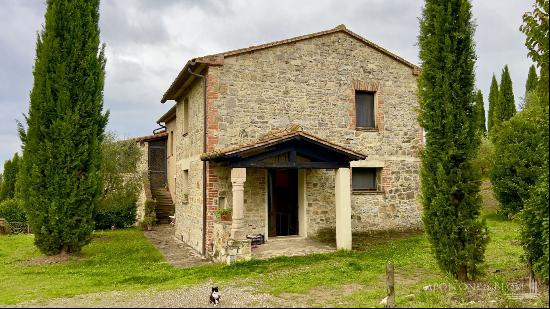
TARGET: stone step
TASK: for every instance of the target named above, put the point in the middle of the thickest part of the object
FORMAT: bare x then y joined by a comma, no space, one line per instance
160,206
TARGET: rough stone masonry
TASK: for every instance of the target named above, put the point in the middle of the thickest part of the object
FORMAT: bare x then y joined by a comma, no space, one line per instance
310,82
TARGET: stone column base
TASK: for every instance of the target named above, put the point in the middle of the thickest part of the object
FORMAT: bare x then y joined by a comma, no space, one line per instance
228,250
238,250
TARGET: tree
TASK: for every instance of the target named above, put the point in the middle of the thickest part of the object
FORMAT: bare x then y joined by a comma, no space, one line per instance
506,107
535,27
493,102
532,81
480,110
11,169
534,234
450,182
61,177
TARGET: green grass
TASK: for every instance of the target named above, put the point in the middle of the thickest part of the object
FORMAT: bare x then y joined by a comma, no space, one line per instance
125,260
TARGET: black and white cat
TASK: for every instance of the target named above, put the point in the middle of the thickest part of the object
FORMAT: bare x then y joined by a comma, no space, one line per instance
215,296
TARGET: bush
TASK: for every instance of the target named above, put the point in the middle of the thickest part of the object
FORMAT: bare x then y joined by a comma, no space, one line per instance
149,216
484,156
117,209
518,158
12,210
121,182
5,227
534,231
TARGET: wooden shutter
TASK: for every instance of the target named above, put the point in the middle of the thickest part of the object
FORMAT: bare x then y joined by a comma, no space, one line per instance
364,109
364,178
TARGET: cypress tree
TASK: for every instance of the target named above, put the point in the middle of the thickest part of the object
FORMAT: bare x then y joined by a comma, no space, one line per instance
506,107
450,183
532,81
480,109
11,169
493,102
60,178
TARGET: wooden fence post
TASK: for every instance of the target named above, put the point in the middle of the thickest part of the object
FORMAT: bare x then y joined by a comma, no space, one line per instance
390,285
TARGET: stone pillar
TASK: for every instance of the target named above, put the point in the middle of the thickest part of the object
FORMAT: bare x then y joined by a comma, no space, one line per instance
343,208
238,177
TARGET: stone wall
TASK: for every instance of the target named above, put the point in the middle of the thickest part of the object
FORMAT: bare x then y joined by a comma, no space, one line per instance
320,209
396,208
171,156
142,170
188,199
312,83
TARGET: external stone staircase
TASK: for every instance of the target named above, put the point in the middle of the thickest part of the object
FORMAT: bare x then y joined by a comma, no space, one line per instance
165,205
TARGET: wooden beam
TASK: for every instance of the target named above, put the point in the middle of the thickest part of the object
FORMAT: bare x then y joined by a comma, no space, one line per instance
329,165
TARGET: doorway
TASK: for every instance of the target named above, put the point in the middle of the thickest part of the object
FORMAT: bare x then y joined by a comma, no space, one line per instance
282,202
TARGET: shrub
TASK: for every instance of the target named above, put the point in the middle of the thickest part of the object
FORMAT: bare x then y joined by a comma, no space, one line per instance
149,216
518,158
121,183
534,231
12,210
484,156
117,209
5,227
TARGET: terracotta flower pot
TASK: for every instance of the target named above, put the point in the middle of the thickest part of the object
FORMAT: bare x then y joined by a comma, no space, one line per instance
225,217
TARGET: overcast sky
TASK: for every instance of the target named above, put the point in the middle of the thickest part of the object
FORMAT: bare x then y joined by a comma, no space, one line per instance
149,41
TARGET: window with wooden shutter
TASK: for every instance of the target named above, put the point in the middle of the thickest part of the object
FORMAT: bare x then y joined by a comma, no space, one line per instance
185,116
364,109
364,179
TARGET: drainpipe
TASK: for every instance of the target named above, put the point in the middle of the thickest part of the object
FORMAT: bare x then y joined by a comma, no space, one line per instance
203,162
161,127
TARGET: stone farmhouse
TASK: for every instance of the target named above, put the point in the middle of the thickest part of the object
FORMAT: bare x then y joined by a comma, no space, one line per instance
317,132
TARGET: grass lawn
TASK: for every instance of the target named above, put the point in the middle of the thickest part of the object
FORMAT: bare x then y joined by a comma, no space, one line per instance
124,260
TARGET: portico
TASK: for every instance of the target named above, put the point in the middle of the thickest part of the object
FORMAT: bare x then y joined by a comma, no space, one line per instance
285,160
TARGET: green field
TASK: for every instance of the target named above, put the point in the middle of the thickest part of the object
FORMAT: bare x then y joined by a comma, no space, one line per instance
125,260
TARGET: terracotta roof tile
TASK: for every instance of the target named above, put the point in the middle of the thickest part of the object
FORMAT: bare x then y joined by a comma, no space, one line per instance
275,137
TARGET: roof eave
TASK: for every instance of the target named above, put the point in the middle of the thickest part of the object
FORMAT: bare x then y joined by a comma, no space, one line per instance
171,113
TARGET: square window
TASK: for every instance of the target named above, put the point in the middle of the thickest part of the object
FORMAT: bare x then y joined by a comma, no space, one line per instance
365,179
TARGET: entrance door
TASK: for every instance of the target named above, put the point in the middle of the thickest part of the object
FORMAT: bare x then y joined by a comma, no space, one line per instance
283,202
157,163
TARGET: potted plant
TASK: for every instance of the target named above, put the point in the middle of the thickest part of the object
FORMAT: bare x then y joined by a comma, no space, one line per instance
224,214
150,216
147,223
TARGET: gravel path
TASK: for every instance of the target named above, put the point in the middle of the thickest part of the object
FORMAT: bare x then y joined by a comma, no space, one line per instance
232,296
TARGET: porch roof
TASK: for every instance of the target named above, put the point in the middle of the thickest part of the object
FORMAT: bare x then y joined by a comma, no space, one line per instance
291,148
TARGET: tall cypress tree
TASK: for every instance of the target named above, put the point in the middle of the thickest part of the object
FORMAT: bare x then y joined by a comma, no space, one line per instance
506,107
450,184
480,110
531,83
532,80
11,169
60,179
493,102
